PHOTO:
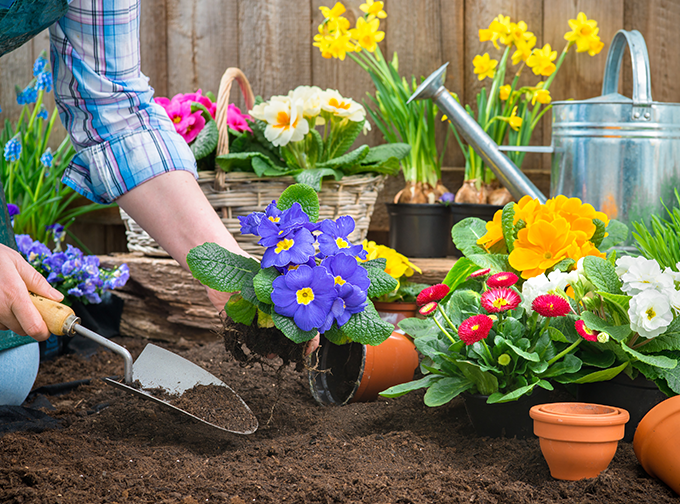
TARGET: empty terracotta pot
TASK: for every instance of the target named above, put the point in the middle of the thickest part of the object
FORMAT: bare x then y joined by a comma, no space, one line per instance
578,440
395,312
657,442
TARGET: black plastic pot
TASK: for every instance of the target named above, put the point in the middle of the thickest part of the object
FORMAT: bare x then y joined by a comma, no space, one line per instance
419,230
509,419
636,396
460,211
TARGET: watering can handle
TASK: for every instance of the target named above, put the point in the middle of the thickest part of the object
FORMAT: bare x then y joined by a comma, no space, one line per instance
642,88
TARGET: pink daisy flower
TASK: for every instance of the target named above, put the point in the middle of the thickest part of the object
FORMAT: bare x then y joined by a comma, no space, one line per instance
480,273
500,299
434,293
504,279
428,309
551,305
475,329
584,332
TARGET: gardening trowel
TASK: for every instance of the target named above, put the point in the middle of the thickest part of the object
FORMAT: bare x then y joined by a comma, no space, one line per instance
155,368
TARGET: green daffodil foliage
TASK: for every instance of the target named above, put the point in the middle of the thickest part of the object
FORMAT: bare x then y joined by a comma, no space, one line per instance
309,279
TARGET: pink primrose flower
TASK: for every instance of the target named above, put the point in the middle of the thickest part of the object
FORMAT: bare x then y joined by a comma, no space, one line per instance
236,120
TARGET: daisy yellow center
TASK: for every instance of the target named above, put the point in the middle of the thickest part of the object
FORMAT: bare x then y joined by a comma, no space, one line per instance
499,302
341,243
333,102
650,313
339,280
285,244
274,219
475,327
305,296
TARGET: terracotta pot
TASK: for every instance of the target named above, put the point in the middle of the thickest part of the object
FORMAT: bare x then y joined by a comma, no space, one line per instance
578,440
358,373
657,443
395,312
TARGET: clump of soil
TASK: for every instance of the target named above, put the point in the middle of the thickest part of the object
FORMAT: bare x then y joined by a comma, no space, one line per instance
114,447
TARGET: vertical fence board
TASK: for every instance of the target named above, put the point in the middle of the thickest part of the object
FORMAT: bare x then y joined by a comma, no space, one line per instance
153,35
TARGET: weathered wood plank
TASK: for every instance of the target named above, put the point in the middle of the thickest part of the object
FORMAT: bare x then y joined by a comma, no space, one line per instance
153,35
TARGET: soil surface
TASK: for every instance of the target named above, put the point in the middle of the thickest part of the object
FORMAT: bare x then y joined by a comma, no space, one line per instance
114,447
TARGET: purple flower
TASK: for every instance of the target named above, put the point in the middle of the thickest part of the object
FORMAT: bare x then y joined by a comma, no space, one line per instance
24,242
295,248
292,266
250,223
447,198
272,230
351,299
42,114
118,278
58,232
12,210
28,95
346,270
305,294
333,239
53,266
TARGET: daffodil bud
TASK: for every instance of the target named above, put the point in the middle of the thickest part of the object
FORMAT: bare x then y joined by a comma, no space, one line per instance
504,359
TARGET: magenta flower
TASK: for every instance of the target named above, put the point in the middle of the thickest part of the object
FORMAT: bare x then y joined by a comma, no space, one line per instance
475,329
551,305
584,332
198,98
236,120
504,279
500,299
186,123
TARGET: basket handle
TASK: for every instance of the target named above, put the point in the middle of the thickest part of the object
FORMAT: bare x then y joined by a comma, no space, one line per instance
228,78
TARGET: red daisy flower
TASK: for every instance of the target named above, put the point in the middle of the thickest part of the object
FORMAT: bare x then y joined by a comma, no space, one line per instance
480,273
584,332
504,279
475,329
428,309
434,293
500,299
551,305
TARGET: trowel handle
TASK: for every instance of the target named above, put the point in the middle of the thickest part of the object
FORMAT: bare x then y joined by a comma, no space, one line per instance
60,319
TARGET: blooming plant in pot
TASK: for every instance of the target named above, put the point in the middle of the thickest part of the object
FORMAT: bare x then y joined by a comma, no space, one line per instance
508,111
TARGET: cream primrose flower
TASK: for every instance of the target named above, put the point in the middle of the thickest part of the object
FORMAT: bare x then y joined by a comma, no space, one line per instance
645,274
674,274
311,100
333,102
673,299
554,283
624,263
285,121
649,313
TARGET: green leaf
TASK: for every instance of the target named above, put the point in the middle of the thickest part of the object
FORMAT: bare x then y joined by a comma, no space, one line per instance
416,327
350,159
595,323
340,143
617,302
262,283
485,382
564,265
670,340
303,194
314,176
381,282
466,233
508,224
405,388
599,233
459,272
206,140
597,376
602,274
660,361
288,327
220,269
367,328
462,305
336,335
570,364
617,233
603,359
260,166
556,335
242,161
381,153
445,389
530,356
499,397
316,148
240,310
497,262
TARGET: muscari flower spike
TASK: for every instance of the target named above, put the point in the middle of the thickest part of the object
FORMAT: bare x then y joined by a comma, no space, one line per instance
13,148
47,158
44,82
40,63
28,95
42,112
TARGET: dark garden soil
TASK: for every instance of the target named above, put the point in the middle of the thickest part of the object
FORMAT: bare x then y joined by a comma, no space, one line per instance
113,447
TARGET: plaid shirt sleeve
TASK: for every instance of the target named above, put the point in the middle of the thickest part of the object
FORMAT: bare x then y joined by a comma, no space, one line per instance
122,138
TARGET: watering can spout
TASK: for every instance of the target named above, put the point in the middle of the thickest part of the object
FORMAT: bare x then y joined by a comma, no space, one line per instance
505,170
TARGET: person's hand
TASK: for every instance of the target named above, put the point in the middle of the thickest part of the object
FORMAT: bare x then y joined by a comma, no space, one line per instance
17,312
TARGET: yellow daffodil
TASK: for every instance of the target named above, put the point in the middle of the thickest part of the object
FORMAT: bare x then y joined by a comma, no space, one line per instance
334,46
498,29
540,95
514,120
366,34
505,92
524,48
334,13
584,35
540,246
541,61
373,9
518,33
484,66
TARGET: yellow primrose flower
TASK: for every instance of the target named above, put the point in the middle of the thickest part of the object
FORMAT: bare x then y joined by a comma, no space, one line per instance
505,92
366,34
484,66
540,246
494,231
524,49
541,61
498,29
584,34
285,121
587,249
397,264
333,102
373,9
579,216
334,13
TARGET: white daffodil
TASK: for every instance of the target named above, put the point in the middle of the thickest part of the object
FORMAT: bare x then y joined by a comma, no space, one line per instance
285,122
333,102
644,274
554,283
311,99
649,313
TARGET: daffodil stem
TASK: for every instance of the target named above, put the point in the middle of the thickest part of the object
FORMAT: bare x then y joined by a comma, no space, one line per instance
446,333
565,351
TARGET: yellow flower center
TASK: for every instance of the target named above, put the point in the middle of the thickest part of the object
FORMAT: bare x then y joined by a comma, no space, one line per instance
650,313
176,119
305,296
293,267
475,327
499,302
274,219
333,102
547,255
282,119
339,280
284,244
341,243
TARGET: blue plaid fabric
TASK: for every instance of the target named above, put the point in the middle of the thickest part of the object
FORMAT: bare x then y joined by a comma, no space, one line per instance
122,138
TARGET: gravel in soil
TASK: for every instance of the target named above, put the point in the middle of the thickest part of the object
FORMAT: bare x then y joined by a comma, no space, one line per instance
115,447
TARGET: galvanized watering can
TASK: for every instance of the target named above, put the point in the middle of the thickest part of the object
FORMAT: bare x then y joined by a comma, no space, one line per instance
621,155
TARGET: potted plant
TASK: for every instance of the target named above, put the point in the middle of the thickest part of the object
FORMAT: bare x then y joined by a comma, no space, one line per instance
508,111
413,124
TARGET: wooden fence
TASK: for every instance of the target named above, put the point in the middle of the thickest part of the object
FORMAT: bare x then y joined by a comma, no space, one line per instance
187,44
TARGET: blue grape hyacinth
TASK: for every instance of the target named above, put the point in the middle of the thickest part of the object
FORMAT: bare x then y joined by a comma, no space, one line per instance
12,150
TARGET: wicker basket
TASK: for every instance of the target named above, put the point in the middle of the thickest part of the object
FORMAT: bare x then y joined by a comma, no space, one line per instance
239,194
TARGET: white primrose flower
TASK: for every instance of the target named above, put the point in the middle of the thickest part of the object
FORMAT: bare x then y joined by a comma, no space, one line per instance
285,121
311,100
645,274
367,127
554,283
333,102
674,274
649,313
624,263
673,299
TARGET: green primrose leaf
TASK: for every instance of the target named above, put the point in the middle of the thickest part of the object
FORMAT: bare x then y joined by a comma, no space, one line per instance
417,328
206,140
220,269
336,335
466,233
262,283
405,388
617,233
314,176
660,361
508,225
240,310
602,274
599,233
367,328
617,302
564,265
350,159
595,323
459,272
288,327
303,194
603,359
497,262
669,340
381,282
381,153
445,389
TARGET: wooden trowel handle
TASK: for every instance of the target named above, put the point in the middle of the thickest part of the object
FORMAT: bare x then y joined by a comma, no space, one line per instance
60,319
